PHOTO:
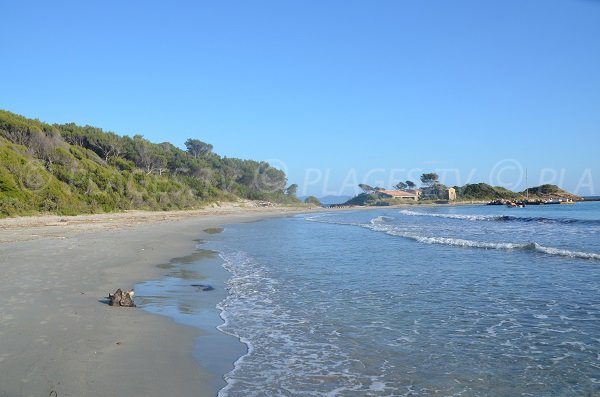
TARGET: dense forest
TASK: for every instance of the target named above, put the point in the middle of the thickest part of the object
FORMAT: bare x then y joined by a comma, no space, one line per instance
69,169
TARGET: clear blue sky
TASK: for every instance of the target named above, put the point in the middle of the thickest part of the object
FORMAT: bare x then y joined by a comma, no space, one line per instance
335,92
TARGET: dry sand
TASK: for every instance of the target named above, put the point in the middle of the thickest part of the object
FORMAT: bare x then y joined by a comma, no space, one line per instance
58,337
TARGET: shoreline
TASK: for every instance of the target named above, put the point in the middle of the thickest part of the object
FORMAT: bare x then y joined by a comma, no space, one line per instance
189,294
59,337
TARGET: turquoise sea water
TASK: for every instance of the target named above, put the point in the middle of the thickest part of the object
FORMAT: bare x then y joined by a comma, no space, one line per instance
444,301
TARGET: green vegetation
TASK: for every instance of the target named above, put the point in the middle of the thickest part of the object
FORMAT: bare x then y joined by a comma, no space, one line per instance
405,185
483,191
312,200
374,198
544,190
429,179
366,188
434,191
401,186
68,169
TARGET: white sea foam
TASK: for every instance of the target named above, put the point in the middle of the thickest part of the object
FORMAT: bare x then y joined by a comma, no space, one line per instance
567,253
504,218
284,348
453,216
317,217
381,219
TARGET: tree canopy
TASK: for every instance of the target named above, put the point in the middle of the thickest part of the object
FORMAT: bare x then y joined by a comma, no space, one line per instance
197,148
366,188
312,200
292,190
429,179
401,186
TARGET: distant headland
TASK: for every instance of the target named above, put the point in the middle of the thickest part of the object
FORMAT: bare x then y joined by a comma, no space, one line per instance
432,191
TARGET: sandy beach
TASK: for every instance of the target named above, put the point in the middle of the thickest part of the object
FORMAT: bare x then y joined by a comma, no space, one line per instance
60,338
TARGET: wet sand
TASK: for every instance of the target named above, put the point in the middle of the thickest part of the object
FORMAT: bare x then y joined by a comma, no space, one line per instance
59,337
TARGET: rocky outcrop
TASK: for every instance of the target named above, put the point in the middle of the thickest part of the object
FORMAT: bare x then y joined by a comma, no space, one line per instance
203,287
120,298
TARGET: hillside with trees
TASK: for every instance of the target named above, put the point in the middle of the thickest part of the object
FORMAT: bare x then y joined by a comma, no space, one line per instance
70,169
483,191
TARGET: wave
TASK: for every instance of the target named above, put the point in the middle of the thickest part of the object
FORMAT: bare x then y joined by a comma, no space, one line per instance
380,224
457,216
563,252
380,219
508,247
458,242
503,218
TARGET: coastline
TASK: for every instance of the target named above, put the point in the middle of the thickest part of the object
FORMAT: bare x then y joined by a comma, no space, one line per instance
59,337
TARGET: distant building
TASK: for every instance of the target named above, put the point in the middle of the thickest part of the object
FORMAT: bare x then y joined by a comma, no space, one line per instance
451,193
437,192
402,194
417,192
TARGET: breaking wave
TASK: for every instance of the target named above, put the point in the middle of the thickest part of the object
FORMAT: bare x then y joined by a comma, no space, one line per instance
503,218
376,225
506,246
379,224
456,216
381,218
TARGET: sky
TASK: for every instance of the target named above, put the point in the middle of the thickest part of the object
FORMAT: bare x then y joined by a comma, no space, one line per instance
335,93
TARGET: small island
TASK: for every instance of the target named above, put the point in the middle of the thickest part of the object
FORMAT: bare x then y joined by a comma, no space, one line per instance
432,191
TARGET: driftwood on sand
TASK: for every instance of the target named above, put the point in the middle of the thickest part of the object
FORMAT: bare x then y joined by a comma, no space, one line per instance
120,298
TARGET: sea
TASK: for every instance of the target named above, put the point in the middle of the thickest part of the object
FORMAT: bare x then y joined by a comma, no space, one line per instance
415,301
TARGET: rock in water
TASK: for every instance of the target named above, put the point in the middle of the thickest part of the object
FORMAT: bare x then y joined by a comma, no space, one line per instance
115,298
203,287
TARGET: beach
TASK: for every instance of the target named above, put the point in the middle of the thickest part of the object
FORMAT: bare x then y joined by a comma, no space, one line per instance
428,300
61,338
